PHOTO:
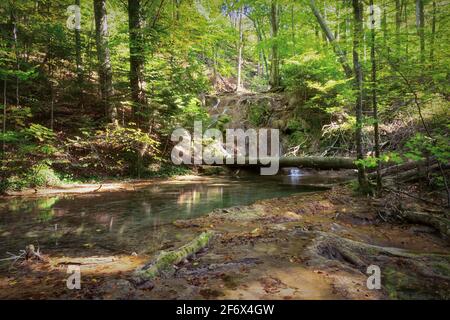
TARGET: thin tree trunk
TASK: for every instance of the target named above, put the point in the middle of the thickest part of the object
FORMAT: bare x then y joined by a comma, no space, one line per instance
239,85
338,15
357,39
274,80
420,25
407,30
374,99
79,60
262,52
293,30
16,53
384,26
137,57
329,34
433,33
4,113
105,69
398,21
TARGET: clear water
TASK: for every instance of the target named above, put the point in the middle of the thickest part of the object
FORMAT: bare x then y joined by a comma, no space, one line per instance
130,221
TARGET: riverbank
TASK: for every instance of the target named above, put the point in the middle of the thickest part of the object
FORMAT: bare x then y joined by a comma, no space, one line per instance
104,186
306,246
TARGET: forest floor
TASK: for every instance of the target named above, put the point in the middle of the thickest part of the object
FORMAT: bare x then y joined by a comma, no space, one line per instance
307,246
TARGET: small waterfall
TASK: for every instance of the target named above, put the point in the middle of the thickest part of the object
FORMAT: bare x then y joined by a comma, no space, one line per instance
295,172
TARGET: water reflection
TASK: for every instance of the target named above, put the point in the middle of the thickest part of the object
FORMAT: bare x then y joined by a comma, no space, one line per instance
129,220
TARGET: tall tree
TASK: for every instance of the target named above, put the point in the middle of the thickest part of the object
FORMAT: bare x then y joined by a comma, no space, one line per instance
420,25
104,59
78,58
433,33
137,56
359,86
398,21
374,96
240,49
274,80
330,36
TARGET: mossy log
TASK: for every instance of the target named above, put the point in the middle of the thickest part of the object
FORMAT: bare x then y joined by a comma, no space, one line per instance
166,259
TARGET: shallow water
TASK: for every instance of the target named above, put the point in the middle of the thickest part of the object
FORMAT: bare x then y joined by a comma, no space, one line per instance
131,221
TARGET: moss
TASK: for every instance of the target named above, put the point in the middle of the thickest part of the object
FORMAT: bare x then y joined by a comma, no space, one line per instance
166,259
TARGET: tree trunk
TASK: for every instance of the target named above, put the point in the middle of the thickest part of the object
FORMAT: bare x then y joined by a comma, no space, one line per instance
433,34
137,58
240,51
103,55
329,34
398,21
357,39
274,80
293,30
262,52
420,25
4,115
374,98
78,59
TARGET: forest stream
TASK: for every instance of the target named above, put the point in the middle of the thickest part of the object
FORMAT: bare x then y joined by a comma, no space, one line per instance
282,237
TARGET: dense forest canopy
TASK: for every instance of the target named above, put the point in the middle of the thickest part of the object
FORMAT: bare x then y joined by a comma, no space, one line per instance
95,88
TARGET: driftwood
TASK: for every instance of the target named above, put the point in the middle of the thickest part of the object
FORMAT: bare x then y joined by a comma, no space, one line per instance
167,259
30,253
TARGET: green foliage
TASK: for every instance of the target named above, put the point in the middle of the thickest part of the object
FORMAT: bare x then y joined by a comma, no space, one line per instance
40,175
114,149
258,115
421,146
166,170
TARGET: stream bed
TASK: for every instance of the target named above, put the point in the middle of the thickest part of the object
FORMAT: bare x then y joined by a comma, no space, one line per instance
133,221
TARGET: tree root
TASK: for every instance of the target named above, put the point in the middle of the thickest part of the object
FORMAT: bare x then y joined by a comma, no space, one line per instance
441,224
329,250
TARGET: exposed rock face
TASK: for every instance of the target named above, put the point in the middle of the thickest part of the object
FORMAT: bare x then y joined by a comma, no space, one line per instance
283,111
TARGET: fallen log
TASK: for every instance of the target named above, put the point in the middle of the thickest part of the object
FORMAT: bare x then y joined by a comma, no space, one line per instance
324,163
166,259
417,173
396,169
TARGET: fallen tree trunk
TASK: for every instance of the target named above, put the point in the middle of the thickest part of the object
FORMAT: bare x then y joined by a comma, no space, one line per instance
392,170
417,173
166,259
324,163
